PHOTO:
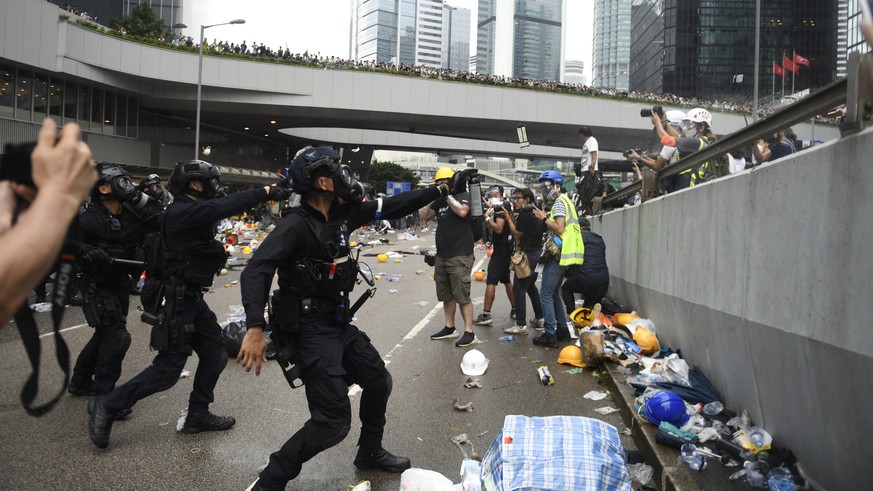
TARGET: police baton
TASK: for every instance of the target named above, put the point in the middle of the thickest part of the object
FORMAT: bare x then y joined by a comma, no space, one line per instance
128,262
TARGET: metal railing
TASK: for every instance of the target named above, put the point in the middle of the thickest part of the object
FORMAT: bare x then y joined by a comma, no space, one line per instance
856,91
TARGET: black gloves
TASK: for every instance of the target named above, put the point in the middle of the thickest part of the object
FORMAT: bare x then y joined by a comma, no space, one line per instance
278,192
444,190
97,257
459,181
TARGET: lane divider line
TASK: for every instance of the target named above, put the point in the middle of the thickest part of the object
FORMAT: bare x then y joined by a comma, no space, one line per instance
62,330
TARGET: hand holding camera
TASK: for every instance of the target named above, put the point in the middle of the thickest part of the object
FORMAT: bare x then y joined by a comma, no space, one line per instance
64,168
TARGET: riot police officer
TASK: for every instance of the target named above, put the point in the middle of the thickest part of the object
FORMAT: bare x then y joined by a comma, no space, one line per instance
111,228
189,258
311,311
151,186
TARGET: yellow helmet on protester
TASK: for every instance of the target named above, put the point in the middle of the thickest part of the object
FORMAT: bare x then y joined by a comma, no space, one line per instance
646,340
582,317
571,355
443,173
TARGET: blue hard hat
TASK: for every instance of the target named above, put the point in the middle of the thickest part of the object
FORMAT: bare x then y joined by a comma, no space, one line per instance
666,406
552,176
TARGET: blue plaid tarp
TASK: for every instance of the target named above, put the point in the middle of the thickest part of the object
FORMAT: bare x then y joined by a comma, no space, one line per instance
556,453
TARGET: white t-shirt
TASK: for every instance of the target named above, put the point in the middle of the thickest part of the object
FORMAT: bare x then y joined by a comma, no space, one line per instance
587,148
737,165
669,154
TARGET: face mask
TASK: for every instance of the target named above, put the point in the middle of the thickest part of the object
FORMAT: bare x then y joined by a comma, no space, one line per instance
346,186
122,188
548,192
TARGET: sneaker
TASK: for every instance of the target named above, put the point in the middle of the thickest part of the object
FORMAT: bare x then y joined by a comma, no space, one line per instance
483,320
381,459
516,330
445,333
512,314
466,340
547,340
197,422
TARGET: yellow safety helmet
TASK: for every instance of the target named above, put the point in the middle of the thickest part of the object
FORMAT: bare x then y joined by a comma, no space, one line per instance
382,258
582,317
571,355
353,244
646,340
443,173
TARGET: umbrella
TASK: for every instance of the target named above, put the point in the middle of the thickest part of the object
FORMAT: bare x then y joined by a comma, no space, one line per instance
701,390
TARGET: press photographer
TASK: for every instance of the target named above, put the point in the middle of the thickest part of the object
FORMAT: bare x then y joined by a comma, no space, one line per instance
501,250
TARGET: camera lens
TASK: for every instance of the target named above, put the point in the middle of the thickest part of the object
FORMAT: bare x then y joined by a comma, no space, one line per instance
645,113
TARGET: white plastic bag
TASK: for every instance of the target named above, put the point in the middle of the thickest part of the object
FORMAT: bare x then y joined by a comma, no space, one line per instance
424,480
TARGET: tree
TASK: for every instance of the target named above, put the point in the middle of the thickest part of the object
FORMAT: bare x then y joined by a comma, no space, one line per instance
382,172
141,22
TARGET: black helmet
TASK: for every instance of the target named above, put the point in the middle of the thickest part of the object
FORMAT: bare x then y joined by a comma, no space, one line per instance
151,185
310,161
195,170
121,186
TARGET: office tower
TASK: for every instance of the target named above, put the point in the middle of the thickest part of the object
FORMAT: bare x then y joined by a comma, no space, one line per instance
375,28
709,47
456,38
169,11
574,72
612,34
849,37
520,38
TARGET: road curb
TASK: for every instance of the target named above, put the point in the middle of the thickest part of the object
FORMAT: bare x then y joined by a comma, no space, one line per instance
670,472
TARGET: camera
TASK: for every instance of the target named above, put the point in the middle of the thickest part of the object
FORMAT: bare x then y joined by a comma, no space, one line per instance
15,163
646,113
527,207
627,152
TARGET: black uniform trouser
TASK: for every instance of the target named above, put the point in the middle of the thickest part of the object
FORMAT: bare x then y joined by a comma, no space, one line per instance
592,290
165,369
102,356
332,358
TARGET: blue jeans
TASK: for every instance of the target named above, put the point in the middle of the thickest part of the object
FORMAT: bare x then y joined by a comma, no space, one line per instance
550,294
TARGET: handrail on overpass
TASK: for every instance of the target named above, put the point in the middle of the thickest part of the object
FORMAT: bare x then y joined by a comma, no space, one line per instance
856,91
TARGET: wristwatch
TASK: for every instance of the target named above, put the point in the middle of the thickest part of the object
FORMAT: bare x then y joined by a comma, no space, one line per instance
545,218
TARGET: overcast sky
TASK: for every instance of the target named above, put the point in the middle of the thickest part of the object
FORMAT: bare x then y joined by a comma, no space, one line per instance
323,25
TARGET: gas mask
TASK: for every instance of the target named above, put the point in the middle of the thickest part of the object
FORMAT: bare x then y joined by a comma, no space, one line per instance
548,191
345,185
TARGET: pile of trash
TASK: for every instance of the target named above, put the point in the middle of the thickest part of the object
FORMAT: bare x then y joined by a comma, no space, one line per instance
682,403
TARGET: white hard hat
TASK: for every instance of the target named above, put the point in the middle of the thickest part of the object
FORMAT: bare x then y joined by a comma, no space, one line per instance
675,116
699,115
474,363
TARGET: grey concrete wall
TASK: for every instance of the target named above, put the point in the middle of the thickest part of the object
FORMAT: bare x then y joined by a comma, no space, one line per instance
764,279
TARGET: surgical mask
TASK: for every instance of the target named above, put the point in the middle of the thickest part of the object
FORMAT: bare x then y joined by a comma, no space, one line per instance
495,202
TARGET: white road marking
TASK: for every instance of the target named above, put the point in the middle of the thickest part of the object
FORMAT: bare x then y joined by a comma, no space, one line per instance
62,330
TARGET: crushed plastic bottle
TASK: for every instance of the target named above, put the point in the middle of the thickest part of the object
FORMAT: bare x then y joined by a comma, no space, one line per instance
392,291
756,436
713,408
506,338
780,479
692,457
754,475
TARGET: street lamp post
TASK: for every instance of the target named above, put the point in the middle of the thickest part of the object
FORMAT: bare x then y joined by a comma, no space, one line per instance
200,84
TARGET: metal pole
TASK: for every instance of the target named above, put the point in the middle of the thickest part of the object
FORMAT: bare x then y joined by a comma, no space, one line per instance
757,57
397,55
199,89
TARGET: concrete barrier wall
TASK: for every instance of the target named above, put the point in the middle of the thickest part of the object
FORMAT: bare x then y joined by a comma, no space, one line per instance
764,279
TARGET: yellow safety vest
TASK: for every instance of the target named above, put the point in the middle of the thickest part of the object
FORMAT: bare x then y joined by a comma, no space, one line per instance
572,247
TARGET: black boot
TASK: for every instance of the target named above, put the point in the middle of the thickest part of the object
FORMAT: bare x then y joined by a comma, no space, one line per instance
81,390
381,459
99,422
547,340
197,422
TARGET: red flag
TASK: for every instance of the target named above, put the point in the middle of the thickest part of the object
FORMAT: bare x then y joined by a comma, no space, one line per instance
789,65
778,70
799,60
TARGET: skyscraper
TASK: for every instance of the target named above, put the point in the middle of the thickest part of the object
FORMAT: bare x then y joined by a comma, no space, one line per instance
849,37
373,31
574,72
456,38
709,46
612,34
520,38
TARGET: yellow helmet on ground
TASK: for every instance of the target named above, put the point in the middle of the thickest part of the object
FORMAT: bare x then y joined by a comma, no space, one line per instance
382,258
582,317
443,173
646,340
571,355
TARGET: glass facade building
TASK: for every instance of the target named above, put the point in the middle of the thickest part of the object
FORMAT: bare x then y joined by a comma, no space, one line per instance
374,30
708,46
849,36
612,40
169,11
520,38
456,38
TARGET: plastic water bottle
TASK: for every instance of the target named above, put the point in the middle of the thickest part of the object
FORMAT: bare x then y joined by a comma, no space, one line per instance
141,282
713,408
692,457
780,479
507,338
756,436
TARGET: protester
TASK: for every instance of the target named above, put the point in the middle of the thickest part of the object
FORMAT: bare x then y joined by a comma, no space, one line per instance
777,147
62,176
591,278
454,257
528,233
589,179
501,250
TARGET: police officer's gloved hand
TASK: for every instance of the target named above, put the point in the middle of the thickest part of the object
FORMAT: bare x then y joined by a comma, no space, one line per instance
459,181
278,193
444,190
97,257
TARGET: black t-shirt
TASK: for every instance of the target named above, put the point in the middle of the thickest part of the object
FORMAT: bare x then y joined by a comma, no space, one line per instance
502,242
454,237
532,231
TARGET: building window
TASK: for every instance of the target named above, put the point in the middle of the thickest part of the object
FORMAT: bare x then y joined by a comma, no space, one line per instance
24,95
7,92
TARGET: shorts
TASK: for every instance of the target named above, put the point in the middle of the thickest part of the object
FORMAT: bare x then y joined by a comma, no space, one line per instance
452,278
498,270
